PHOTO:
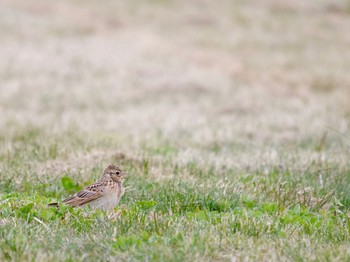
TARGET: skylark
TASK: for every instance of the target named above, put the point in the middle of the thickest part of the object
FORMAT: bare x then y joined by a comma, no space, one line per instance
104,194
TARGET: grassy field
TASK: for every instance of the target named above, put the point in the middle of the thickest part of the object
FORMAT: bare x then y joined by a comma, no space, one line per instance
231,117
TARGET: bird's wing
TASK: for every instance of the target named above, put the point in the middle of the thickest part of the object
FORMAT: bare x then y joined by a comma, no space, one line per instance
86,195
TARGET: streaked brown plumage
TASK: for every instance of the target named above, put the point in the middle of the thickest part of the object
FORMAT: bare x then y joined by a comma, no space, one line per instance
104,194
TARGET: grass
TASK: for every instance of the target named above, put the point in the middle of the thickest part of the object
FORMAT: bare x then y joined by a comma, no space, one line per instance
193,212
232,120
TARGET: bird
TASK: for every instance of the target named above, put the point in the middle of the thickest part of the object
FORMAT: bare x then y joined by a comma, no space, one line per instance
104,194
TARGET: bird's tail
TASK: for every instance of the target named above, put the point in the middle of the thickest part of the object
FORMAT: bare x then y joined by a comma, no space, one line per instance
53,205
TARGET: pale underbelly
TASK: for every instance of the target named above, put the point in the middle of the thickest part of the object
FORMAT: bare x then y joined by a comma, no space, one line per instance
105,203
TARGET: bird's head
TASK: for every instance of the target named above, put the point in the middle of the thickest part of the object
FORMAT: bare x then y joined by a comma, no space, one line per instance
115,173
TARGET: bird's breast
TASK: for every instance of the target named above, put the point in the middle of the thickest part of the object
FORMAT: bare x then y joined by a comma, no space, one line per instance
110,198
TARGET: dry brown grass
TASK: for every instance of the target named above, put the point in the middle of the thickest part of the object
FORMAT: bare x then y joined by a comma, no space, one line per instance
263,73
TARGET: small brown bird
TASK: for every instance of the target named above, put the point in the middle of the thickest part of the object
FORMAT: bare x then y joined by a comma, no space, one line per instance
104,194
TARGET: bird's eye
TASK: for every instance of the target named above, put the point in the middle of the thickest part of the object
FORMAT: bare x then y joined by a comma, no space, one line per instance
117,173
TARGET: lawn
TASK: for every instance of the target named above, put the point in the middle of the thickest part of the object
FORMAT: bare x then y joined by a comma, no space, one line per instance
232,120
